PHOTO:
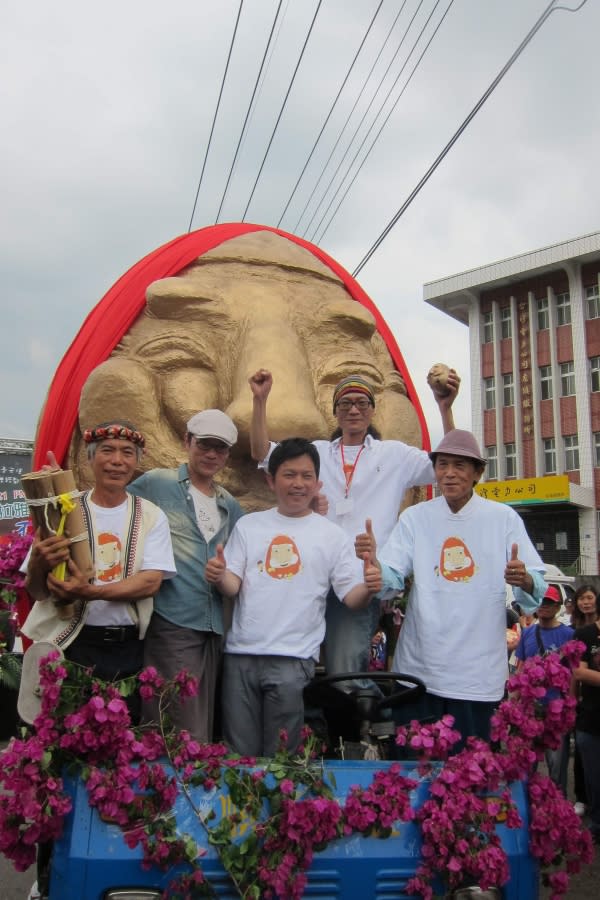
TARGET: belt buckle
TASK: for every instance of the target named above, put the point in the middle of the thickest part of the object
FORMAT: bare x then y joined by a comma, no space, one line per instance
113,634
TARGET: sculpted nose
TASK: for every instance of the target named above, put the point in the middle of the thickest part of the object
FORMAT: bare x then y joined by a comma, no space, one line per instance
291,412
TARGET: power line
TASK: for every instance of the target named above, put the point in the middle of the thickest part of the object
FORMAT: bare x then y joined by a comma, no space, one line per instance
256,83
285,99
329,114
365,114
372,125
267,66
212,128
530,35
377,136
362,90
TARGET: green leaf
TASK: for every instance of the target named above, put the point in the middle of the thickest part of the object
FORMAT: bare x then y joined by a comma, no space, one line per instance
10,671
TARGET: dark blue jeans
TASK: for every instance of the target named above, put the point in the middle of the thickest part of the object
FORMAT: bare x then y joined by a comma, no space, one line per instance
110,660
557,762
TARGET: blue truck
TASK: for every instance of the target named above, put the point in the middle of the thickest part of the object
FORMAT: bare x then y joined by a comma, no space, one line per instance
92,861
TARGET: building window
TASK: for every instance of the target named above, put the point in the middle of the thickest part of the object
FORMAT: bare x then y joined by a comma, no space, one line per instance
561,541
571,453
595,373
488,327
597,448
550,456
567,379
491,470
508,390
505,322
543,314
489,392
510,460
592,295
546,382
563,309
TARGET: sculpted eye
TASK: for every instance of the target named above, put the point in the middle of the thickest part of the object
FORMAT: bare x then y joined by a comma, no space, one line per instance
167,352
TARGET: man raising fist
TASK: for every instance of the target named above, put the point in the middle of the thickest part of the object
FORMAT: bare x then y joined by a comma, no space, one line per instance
282,563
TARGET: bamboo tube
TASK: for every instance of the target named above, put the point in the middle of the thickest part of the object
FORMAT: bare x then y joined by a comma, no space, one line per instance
75,529
49,485
39,486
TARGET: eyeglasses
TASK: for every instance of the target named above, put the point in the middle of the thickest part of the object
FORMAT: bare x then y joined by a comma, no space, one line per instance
346,405
207,446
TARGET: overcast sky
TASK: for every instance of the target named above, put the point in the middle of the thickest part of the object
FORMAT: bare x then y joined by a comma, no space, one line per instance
106,111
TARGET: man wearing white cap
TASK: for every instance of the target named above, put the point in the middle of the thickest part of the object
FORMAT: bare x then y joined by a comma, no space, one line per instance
186,629
460,550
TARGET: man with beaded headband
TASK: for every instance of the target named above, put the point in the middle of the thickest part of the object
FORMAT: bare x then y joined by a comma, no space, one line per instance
112,606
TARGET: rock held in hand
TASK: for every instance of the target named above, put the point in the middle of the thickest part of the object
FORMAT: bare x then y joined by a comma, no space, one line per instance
437,379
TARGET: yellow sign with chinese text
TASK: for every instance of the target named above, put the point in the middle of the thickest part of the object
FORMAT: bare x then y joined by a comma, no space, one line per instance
550,489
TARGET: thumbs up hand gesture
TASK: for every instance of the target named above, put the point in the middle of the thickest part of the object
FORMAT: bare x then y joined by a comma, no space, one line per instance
372,574
515,572
366,543
216,567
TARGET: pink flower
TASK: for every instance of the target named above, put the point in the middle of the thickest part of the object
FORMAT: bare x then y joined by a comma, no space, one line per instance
85,724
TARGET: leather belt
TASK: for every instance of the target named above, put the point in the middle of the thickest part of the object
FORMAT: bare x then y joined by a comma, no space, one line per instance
110,634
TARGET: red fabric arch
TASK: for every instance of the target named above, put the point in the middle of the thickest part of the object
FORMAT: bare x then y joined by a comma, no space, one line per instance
114,314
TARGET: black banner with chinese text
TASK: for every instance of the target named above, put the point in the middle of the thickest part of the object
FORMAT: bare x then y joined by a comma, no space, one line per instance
14,513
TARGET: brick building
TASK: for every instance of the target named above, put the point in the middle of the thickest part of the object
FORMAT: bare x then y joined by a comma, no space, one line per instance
534,336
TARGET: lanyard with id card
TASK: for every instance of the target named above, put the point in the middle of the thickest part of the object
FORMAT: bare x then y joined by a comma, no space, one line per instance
346,505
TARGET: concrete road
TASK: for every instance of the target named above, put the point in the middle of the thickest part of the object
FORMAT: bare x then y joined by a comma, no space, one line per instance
15,885
585,886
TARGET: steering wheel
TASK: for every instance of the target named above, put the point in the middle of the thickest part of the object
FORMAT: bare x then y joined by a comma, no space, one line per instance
317,692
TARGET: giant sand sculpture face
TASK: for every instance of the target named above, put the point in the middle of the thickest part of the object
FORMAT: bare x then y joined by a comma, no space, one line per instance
255,301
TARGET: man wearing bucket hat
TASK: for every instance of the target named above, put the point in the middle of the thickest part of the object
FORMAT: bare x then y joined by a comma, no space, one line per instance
460,550
109,613
186,629
548,635
363,476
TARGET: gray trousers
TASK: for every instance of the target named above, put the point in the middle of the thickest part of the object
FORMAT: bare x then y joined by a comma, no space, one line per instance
262,695
170,648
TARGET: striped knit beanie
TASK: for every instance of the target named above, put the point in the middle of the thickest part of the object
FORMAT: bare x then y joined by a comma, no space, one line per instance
352,384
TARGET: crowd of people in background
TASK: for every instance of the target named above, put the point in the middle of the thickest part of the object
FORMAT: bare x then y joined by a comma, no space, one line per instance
586,621
552,626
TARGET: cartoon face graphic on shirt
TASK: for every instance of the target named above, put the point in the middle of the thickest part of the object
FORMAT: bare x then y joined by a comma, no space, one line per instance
108,557
283,558
456,562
